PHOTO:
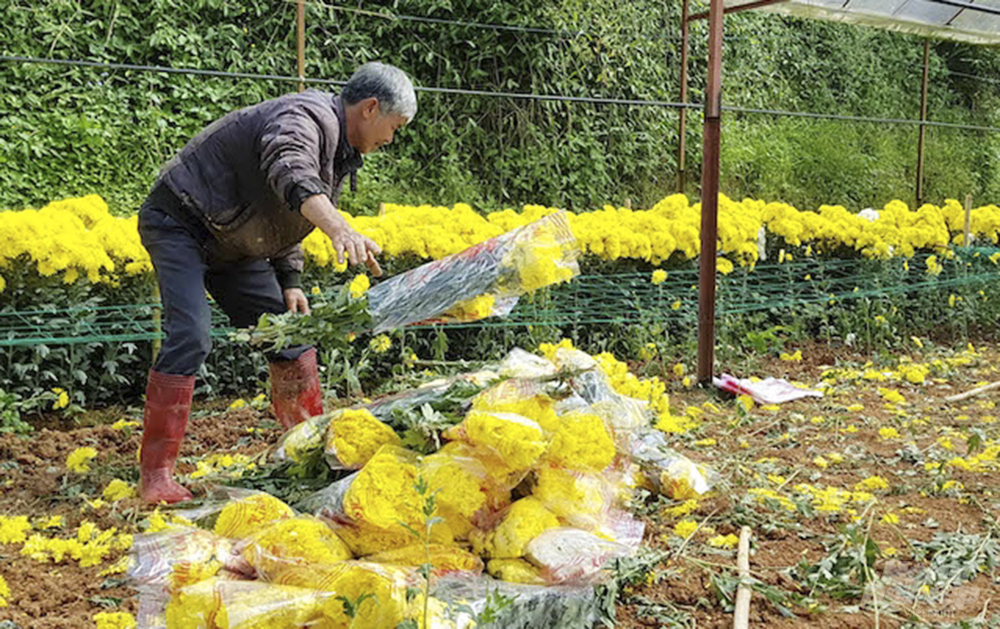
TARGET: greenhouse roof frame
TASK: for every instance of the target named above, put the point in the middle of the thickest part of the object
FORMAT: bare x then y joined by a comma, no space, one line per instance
970,21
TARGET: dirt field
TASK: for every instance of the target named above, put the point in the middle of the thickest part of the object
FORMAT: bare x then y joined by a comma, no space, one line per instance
874,483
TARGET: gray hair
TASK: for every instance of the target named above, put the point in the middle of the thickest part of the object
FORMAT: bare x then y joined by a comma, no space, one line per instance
387,84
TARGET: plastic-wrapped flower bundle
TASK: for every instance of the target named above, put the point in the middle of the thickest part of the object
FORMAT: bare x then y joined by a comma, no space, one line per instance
443,558
180,556
354,436
484,280
581,442
514,441
567,493
383,493
302,440
521,397
569,555
381,590
515,571
230,604
524,520
670,472
365,539
244,517
459,286
461,485
301,540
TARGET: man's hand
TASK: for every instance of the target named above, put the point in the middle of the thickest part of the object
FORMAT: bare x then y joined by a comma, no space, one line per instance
359,249
296,300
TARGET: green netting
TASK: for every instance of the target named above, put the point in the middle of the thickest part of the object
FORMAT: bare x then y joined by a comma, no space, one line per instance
594,299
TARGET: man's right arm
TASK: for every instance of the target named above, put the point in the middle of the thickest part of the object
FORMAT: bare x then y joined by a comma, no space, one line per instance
319,210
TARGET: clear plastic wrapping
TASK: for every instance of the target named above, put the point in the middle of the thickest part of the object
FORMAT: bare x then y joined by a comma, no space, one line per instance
293,542
568,555
484,280
512,529
531,606
382,493
226,604
670,472
302,440
510,444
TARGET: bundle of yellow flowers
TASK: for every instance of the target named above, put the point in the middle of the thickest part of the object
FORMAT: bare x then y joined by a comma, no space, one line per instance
246,516
515,571
581,442
222,602
522,522
294,541
383,493
514,442
567,493
354,436
508,397
443,558
381,590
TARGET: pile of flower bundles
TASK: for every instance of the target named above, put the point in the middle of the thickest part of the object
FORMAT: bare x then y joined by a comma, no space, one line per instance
530,485
276,568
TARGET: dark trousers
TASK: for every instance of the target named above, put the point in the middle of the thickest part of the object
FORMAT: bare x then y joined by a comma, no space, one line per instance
185,270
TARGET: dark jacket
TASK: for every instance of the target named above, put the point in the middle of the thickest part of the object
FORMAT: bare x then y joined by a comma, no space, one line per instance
244,177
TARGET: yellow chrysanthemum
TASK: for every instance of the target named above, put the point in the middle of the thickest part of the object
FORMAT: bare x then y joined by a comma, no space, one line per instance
359,286
78,460
294,541
246,516
581,442
355,435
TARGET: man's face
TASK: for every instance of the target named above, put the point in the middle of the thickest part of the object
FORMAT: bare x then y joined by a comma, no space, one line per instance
375,129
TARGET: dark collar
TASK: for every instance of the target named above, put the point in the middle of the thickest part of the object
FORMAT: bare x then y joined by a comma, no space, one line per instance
348,159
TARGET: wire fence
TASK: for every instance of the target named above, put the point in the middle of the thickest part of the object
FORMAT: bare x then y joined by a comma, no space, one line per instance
594,100
621,298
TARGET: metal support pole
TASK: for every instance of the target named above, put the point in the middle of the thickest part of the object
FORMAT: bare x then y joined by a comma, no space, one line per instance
300,21
682,130
710,195
923,127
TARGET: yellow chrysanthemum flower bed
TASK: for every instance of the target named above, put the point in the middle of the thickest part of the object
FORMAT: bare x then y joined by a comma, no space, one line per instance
78,237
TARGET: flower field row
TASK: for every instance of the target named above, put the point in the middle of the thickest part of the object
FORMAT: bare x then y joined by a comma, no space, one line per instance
79,237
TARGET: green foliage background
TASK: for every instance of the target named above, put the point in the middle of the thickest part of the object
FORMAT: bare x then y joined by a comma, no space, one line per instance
68,131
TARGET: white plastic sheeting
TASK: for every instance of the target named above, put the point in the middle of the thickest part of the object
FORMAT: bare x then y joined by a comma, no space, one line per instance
918,17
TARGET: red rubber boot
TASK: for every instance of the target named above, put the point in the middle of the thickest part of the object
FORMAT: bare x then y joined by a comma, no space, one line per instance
168,402
295,390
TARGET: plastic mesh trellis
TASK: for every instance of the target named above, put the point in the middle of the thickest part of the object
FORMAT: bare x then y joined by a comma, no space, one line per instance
593,299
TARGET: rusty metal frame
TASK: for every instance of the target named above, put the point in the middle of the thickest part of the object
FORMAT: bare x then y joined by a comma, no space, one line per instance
710,195
743,7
